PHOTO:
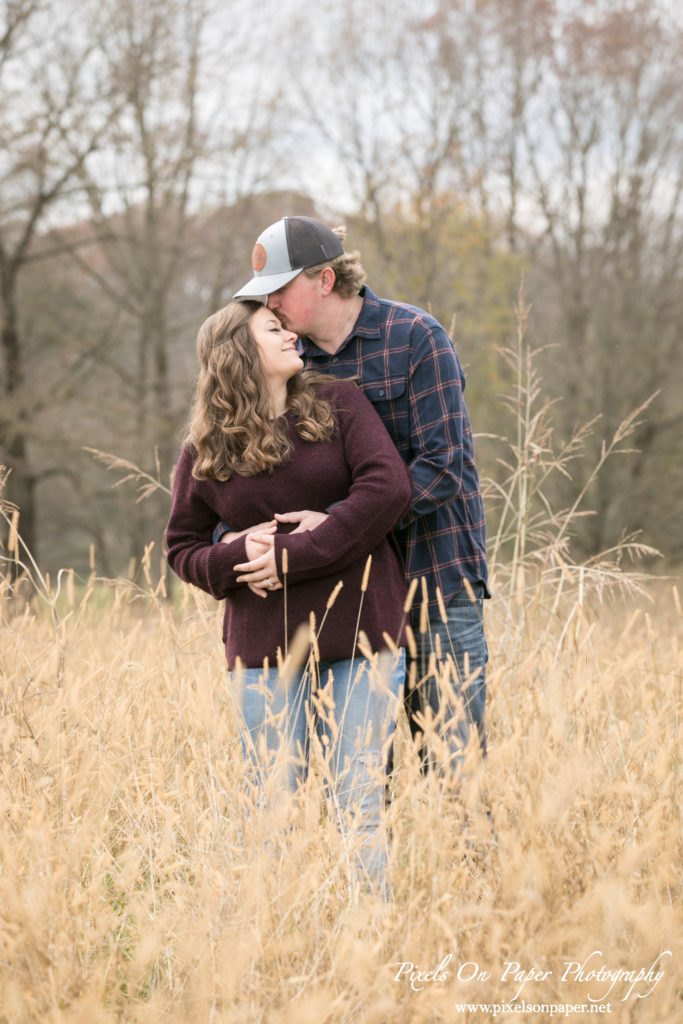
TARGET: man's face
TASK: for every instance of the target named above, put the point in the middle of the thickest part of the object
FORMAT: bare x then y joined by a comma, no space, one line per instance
297,305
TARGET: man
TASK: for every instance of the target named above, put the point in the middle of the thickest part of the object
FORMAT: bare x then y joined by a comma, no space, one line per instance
406,364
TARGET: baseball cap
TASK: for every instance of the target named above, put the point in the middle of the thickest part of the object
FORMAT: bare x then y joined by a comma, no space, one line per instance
285,249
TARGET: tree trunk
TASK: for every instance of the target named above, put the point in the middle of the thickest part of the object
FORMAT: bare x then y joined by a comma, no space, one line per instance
14,441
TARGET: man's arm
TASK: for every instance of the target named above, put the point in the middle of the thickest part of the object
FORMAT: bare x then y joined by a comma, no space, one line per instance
439,424
225,535
306,519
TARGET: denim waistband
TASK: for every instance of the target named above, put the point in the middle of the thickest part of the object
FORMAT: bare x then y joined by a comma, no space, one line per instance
478,589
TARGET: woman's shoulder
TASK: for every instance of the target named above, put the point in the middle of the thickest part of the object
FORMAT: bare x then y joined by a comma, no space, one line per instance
188,452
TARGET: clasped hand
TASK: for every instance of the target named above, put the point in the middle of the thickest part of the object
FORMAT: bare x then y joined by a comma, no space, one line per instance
260,571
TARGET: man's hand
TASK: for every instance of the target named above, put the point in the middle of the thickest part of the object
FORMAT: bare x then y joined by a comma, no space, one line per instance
271,526
306,519
260,572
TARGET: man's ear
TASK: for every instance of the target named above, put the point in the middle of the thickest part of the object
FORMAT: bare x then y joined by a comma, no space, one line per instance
327,279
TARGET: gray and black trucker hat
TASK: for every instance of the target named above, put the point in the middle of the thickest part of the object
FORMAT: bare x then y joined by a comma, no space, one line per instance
285,249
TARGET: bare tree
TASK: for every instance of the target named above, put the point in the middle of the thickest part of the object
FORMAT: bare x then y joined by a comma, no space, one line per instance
52,117
460,142
558,124
606,182
190,133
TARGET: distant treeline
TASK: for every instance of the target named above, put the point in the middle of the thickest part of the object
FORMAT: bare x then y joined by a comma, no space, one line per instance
145,145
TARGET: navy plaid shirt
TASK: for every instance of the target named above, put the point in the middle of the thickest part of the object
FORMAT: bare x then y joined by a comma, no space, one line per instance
407,366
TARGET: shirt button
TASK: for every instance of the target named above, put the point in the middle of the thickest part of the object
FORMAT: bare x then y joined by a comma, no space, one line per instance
335,359
381,393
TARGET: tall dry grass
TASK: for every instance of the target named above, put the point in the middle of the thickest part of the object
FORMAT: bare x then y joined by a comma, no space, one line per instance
133,887
136,886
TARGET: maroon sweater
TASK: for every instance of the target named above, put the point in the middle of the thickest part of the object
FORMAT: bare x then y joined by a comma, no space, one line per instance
361,470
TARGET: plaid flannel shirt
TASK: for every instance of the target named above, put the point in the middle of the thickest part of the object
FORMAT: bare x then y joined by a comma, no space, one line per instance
407,366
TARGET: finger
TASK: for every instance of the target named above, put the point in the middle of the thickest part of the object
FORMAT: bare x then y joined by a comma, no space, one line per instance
264,537
290,517
259,577
262,549
270,527
254,564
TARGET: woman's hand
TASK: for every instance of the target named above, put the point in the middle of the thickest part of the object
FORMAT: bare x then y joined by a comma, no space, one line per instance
260,572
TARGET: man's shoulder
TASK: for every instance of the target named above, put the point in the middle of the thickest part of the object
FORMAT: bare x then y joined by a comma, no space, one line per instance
412,333
398,314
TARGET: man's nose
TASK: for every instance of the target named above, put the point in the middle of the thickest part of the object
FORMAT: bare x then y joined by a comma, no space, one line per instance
272,302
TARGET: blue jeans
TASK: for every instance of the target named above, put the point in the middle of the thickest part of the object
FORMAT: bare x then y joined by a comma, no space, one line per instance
455,688
352,707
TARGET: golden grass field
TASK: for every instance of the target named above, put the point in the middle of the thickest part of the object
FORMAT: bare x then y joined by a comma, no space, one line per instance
127,894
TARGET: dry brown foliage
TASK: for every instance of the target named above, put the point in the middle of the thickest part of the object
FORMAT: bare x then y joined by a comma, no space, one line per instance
134,887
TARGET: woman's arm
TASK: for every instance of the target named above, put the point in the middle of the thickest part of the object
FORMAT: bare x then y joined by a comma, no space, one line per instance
378,498
191,553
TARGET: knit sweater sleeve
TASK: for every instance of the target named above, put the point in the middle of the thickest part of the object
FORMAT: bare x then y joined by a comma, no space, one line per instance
379,496
191,553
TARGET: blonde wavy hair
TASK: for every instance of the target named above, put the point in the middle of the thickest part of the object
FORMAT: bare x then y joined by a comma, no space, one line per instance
230,423
349,272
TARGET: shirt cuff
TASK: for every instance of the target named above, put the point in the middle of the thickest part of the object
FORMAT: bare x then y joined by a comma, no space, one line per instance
219,532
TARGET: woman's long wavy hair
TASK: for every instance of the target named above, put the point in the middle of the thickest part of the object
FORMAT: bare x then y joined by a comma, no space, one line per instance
231,426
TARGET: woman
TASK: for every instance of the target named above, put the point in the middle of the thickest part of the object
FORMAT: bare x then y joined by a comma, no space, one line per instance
264,437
